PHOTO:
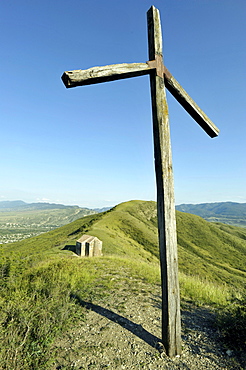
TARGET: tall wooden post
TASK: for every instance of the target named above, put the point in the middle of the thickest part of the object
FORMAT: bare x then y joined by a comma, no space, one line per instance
159,76
171,326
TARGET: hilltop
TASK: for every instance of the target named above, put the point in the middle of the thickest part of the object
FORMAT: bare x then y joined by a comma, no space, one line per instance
130,229
48,288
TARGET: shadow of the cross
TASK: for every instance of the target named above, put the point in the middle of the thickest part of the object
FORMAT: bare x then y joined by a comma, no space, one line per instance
134,328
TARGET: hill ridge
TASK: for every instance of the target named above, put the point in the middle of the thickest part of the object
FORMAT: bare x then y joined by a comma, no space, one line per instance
130,229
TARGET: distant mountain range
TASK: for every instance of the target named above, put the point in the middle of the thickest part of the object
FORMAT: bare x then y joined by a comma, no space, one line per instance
226,212
19,205
231,213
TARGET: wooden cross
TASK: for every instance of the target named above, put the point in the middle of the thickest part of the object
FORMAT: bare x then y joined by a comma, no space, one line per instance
160,78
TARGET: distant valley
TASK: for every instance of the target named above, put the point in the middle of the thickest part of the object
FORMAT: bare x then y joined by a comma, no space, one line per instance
20,220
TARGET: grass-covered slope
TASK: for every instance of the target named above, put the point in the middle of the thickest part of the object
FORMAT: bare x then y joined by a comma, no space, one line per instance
39,278
214,251
211,251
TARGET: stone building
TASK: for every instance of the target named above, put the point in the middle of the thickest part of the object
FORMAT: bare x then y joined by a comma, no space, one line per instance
89,246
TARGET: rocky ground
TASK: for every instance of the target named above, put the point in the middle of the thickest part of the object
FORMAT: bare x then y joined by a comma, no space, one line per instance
125,332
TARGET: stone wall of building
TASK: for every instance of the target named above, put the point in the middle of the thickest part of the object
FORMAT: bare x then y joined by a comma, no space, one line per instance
89,246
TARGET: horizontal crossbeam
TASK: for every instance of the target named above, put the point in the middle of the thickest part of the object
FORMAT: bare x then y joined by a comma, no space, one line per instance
126,70
104,74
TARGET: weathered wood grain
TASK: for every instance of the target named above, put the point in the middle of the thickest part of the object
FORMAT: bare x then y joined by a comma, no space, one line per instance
159,78
171,325
103,74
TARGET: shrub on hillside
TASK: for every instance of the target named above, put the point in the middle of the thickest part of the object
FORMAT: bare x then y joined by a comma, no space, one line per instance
232,324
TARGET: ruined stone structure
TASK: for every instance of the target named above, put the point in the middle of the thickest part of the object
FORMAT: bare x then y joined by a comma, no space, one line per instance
89,246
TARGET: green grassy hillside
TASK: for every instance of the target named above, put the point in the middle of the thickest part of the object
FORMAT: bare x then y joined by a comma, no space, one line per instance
130,229
40,277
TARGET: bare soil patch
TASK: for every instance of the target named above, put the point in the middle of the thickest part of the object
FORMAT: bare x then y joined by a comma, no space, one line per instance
124,331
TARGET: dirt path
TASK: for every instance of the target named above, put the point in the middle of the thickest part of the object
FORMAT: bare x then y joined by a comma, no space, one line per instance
124,333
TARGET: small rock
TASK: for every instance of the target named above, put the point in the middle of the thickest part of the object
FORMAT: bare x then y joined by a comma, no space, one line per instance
229,352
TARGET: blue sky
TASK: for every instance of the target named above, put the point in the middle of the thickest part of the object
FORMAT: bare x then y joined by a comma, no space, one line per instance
93,146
